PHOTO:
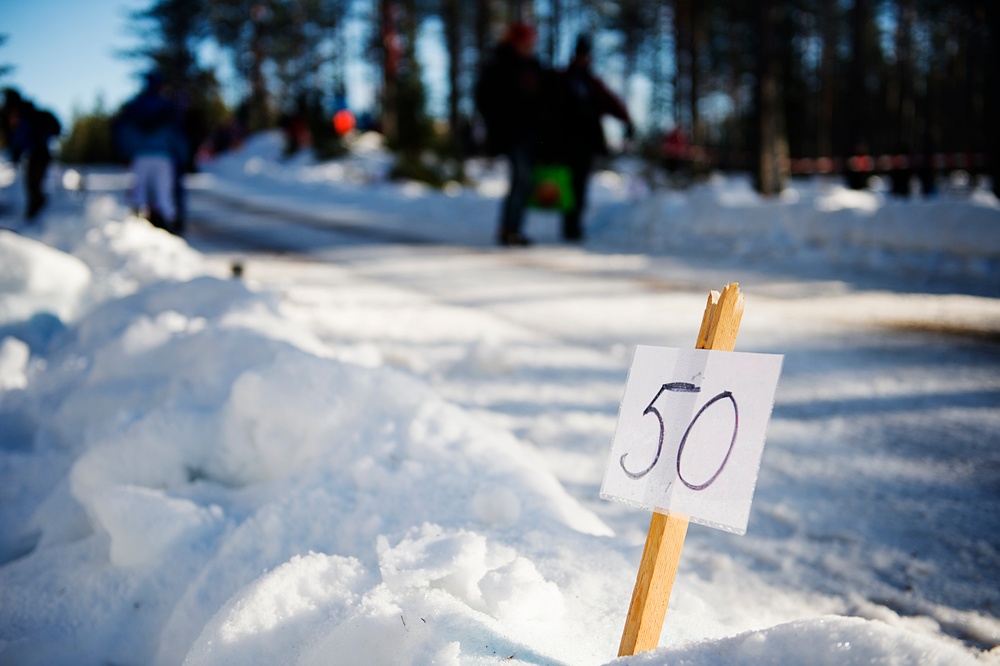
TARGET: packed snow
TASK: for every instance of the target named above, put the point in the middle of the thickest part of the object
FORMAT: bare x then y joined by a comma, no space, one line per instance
386,453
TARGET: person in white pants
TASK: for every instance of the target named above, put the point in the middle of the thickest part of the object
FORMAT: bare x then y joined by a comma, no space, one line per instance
153,186
148,133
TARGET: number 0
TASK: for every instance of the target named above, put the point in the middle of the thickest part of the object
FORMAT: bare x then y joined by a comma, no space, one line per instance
725,395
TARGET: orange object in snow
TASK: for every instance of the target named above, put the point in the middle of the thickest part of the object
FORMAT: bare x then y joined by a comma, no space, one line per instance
548,194
343,122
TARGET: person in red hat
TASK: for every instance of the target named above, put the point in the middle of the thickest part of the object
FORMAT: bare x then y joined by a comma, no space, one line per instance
509,96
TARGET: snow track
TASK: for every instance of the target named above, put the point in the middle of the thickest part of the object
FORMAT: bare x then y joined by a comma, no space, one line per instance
884,436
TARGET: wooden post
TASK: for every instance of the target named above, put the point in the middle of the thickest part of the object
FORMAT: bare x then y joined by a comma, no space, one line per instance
665,539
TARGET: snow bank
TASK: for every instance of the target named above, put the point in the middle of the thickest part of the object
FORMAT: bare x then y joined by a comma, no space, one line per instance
824,641
52,277
194,442
262,157
821,219
35,278
188,477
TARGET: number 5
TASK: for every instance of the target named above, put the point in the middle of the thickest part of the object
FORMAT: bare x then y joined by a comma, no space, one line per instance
676,387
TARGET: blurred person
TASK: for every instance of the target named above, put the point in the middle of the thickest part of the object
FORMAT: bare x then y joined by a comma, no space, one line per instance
675,150
859,167
900,172
925,172
509,96
27,131
294,126
149,135
583,100
193,135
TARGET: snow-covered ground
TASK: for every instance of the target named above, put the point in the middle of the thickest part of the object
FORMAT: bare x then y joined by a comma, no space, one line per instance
381,453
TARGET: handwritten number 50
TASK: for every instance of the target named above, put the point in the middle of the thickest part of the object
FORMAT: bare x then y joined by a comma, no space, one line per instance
684,387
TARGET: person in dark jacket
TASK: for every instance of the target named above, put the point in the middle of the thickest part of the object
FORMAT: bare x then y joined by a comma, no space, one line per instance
28,130
509,98
149,135
584,100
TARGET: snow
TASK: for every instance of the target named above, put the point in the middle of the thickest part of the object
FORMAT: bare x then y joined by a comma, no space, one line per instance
391,453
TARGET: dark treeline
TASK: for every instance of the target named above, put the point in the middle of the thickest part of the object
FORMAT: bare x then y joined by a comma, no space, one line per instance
753,84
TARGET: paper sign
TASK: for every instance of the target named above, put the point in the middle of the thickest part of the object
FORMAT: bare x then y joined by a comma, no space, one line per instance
691,432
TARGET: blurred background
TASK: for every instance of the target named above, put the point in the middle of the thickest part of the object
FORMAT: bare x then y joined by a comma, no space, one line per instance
771,88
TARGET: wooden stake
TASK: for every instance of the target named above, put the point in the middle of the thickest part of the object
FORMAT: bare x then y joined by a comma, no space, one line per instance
665,539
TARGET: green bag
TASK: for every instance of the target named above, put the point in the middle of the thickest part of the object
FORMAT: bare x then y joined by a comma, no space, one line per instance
552,188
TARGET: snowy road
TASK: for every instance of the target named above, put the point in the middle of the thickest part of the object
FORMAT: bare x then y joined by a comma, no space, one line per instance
880,485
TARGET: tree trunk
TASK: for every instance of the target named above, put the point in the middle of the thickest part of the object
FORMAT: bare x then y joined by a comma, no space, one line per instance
391,55
772,148
452,15
860,103
555,23
695,45
988,16
482,30
683,49
259,112
904,53
824,135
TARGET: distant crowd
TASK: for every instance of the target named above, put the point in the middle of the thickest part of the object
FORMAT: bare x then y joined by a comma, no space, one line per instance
546,122
548,125
148,133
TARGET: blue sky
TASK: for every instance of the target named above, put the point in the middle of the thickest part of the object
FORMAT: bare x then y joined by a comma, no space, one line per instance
63,52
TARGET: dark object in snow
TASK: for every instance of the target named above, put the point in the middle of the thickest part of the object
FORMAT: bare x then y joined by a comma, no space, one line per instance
27,131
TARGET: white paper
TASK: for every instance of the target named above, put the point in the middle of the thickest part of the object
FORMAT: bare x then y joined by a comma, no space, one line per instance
710,410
